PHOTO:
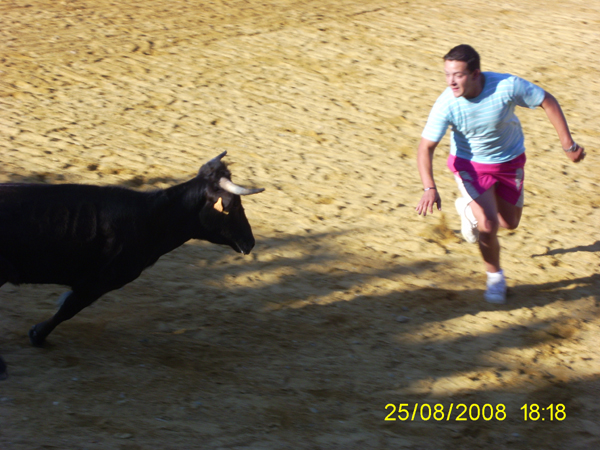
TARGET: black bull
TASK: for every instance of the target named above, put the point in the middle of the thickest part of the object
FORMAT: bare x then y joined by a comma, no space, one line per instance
99,238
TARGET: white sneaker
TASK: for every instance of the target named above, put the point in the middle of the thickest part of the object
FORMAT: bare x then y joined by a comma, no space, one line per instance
496,289
468,223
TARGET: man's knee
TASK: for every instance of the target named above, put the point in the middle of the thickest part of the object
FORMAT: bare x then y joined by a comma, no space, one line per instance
512,224
511,221
488,226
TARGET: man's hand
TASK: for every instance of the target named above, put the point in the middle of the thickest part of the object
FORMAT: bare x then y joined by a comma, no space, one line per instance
428,199
577,155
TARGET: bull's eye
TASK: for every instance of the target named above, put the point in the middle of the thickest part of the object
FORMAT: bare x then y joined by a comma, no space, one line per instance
219,206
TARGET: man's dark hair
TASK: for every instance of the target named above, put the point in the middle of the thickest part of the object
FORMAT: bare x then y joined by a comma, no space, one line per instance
465,53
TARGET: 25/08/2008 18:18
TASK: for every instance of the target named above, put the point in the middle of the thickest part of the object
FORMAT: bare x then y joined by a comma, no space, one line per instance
462,412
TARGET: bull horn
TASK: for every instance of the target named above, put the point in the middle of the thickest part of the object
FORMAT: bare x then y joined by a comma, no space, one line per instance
214,163
233,188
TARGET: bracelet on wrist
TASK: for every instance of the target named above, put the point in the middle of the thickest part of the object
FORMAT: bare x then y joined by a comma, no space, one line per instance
429,188
573,148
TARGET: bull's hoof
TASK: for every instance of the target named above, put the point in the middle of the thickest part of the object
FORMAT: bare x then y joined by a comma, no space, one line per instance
3,374
35,338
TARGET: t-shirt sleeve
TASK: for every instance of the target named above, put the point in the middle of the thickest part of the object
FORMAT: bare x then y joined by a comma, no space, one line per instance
438,122
527,94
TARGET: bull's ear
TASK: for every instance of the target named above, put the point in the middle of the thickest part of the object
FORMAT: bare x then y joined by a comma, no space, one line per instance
219,206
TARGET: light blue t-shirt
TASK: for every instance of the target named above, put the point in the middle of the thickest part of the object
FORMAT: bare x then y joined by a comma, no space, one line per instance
485,129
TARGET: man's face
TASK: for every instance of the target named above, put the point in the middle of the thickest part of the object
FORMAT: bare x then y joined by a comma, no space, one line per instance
462,82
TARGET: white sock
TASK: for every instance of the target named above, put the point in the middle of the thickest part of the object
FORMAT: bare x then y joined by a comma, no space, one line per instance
495,277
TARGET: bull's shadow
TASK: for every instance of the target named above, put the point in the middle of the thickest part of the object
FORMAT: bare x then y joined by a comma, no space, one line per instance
317,250
310,261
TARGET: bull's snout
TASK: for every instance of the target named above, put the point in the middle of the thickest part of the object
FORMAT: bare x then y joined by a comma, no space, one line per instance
245,247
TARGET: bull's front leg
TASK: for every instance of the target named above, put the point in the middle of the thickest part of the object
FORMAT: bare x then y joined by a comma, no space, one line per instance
73,303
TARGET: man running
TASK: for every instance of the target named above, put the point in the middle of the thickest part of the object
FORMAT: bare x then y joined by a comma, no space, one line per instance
487,152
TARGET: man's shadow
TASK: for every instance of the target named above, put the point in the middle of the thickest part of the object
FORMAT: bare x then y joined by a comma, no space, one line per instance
595,247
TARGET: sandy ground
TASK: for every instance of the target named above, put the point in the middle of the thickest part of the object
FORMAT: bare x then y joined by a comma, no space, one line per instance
351,304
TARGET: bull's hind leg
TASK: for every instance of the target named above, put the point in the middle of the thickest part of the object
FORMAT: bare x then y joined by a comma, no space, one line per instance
72,304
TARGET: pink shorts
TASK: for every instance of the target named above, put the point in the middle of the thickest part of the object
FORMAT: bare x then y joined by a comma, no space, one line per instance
475,178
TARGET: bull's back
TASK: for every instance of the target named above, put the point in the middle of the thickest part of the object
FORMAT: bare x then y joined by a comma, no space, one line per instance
63,233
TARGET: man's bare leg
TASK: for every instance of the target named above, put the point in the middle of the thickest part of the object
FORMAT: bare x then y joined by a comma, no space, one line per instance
485,210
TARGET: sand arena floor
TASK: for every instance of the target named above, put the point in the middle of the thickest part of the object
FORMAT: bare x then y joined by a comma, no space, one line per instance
350,301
